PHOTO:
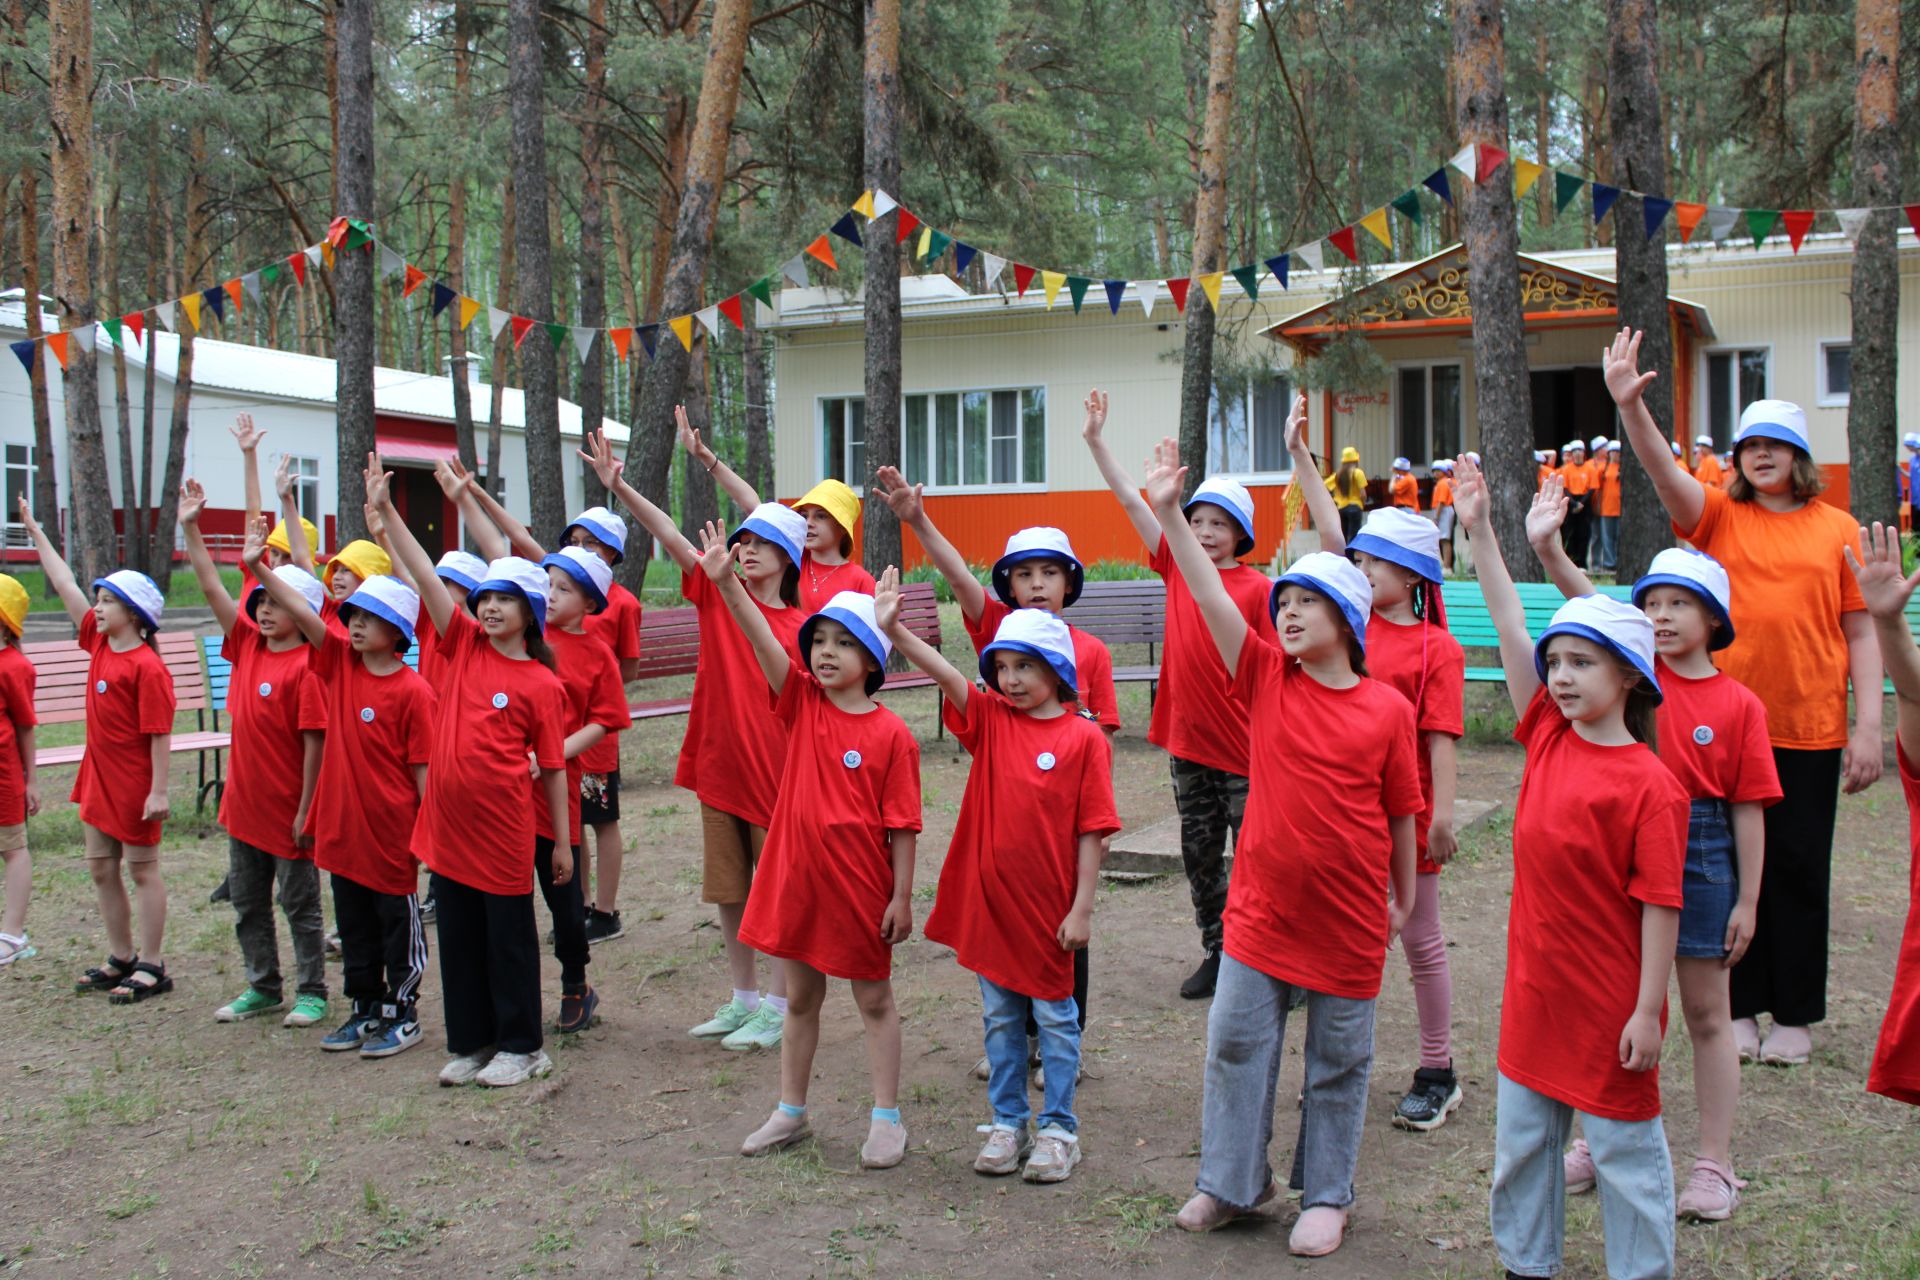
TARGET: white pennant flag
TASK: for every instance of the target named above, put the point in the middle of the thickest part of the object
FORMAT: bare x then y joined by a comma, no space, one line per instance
1853,222
583,340
83,337
795,269
390,261
709,319
1463,160
1148,290
883,204
991,265
164,313
313,254
1720,220
497,320
251,283
1309,253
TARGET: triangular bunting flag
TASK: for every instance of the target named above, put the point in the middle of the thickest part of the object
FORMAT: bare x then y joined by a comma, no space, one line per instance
795,270
1603,198
1279,268
442,297
1760,224
1408,203
251,283
1210,285
823,251
649,335
521,326
298,261
1022,277
926,239
1852,222
622,339
1310,253
991,265
556,333
1148,291
1489,159
191,305
390,261
497,320
1796,221
1913,217
234,291
883,204
414,278
1376,224
1115,290
1249,278
214,298
682,327
326,255
1655,210
164,313
1077,287
25,351
731,309
864,205
1720,220
906,228
336,230
1437,183
84,337
469,308
1525,174
1687,217
583,340
1565,187
133,322
963,256
936,245
1050,282
57,343
709,318
847,231
112,325
1177,290
762,289
268,274
1343,241
316,252
1463,160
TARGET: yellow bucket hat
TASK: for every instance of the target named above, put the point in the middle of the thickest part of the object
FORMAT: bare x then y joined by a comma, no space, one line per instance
838,501
278,538
13,603
366,559
1349,454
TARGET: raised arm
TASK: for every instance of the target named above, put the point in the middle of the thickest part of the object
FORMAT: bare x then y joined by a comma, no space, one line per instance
1496,585
253,554
59,576
193,499
434,596
956,688
377,530
248,439
1139,514
716,561
297,549
1224,619
599,455
743,494
905,501
1887,592
518,536
1684,497
1549,512
1326,516
462,489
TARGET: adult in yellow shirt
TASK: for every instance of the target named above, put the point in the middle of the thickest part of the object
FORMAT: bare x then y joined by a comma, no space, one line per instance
1348,486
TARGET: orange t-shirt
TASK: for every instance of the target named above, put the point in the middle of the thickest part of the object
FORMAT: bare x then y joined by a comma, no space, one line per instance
1578,477
1790,586
1406,492
1540,481
1442,493
1610,490
1707,472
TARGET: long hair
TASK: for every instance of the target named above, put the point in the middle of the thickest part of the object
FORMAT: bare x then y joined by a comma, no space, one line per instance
1343,479
1356,653
539,650
1642,716
790,585
1807,480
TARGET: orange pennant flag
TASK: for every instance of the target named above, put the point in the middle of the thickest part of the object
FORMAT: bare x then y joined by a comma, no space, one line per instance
233,291
326,251
1688,216
191,305
823,251
621,337
414,276
57,343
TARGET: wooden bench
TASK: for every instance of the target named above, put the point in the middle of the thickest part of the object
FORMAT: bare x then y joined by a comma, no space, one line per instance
220,671
1126,611
60,697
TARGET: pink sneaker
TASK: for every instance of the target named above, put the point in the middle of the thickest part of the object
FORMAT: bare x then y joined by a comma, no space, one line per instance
1318,1232
1578,1167
1787,1047
1204,1213
1712,1193
1746,1039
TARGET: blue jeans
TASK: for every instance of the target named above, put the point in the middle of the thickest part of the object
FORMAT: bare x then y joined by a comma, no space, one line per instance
1005,1013
1712,883
1529,1202
1606,554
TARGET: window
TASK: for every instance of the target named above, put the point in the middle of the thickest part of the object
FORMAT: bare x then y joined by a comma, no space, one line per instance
947,438
306,487
1735,379
19,481
1427,424
1836,372
1247,427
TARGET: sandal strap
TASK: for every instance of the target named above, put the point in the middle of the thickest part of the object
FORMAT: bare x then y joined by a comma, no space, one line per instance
157,972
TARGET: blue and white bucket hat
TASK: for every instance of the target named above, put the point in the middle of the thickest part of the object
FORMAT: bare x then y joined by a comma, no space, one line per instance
461,568
1612,624
1772,420
1699,573
781,525
1041,542
138,592
1041,634
1335,577
588,569
388,599
604,526
854,611
1232,497
299,579
1911,440
1408,540
515,576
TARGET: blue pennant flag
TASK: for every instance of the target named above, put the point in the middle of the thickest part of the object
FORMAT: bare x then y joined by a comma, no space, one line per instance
1436,182
1656,211
216,298
650,333
25,350
963,255
1114,289
1280,264
1603,198
845,229
442,296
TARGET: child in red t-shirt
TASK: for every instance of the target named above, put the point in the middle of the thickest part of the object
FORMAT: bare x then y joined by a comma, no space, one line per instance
1016,892
1896,1059
376,714
121,787
1599,847
272,767
1713,735
1323,879
735,748
1202,729
833,894
19,784
500,706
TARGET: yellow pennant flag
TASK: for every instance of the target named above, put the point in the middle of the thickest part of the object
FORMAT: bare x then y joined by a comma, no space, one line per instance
682,327
1525,174
1210,285
1376,222
191,305
926,242
469,308
326,251
864,205
1050,282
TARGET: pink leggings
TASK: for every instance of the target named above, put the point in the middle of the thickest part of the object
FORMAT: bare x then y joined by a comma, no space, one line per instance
1426,948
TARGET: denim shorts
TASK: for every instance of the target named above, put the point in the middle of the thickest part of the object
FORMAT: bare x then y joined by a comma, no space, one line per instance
1712,881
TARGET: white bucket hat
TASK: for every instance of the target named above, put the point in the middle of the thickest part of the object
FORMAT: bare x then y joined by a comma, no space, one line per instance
388,599
1041,634
1598,443
1699,573
604,526
1041,542
1612,624
1911,440
462,568
1573,446
781,525
305,583
1772,420
1336,578
854,611
1233,498
137,591
587,568
1704,441
515,576
1410,541
1401,464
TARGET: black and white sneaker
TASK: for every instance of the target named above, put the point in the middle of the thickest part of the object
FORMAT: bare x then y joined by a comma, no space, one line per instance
429,909
1435,1096
603,926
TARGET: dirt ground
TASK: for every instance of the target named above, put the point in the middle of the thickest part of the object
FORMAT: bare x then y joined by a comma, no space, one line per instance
152,1141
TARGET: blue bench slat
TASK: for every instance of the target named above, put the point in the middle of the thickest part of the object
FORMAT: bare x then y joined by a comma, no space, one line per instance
220,671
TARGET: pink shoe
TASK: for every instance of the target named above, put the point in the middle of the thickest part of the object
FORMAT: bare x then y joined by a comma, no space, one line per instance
1204,1213
1746,1038
1318,1232
1578,1167
1787,1047
1712,1193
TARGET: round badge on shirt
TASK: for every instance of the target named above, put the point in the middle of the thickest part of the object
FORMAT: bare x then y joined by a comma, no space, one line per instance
100,687
366,715
265,688
1045,760
499,701
851,759
1703,734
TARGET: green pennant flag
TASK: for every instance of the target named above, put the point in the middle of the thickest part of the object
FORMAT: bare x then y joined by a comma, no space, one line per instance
270,273
1760,224
358,233
937,242
1249,278
762,289
1408,202
1565,187
1077,286
557,332
112,326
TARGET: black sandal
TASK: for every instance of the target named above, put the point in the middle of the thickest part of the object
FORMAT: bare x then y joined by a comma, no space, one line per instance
107,976
133,991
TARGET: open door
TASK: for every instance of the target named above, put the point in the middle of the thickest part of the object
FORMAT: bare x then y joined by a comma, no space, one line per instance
429,516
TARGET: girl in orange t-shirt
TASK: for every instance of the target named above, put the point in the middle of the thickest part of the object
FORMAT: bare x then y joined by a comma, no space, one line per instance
1443,513
19,784
1607,464
1804,637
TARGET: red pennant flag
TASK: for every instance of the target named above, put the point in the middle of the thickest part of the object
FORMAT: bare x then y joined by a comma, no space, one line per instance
1797,221
823,252
337,231
1343,241
134,322
57,343
1022,277
521,327
731,310
1688,217
1490,158
414,276
1913,218
1178,290
908,223
233,291
621,337
298,261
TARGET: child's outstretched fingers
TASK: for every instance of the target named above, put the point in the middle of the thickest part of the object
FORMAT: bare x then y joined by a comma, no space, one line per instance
886,599
1883,587
1549,510
193,499
715,554
1297,423
1096,406
254,547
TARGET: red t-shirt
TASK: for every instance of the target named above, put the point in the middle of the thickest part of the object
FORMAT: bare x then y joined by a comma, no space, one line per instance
595,695
1424,664
826,872
268,757
129,702
1313,866
1896,1059
1713,735
475,825
1597,832
1193,718
426,648
16,713
365,803
330,614
1092,661
735,749
820,583
617,627
1036,786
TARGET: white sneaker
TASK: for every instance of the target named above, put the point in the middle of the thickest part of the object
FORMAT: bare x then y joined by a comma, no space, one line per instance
465,1068
509,1069
1055,1153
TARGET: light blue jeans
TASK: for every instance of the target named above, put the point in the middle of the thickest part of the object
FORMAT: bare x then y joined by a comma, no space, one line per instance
1004,1013
1529,1203
1246,1032
1606,546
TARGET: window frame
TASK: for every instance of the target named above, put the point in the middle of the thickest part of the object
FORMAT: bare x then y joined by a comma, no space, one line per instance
1253,475
1824,396
304,483
31,470
1021,408
1422,463
1703,397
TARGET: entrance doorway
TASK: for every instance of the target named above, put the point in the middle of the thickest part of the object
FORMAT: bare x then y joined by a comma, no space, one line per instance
1570,404
417,497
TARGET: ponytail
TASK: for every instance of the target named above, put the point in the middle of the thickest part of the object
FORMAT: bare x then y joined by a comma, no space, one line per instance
540,651
1641,715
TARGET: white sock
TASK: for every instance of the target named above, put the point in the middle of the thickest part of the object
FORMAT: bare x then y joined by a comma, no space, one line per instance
751,999
778,1004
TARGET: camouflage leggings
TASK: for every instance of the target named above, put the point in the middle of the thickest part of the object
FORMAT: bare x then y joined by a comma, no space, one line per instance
1210,802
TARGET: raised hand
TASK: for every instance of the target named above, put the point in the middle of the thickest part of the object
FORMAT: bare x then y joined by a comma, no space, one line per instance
716,557
902,499
378,482
606,467
376,522
254,548
1164,476
1885,589
688,437
1297,425
243,432
886,599
1549,510
25,512
1096,407
193,500
1470,500
452,476
1620,365
282,476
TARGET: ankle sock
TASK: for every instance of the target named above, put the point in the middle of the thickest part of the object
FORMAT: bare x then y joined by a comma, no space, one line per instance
792,1112
751,999
777,1003
891,1114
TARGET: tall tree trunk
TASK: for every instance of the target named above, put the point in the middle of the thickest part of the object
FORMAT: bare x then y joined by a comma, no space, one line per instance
353,315
593,253
502,344
1500,382
532,282
758,416
1209,235
70,75
881,537
692,246
457,246
1872,410
1639,154
46,487
1542,124
107,226
149,376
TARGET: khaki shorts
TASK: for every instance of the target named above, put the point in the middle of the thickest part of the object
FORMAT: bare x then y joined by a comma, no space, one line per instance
732,848
102,845
13,837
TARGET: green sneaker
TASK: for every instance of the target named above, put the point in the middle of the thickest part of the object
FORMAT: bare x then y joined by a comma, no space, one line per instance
761,1030
726,1020
307,1010
248,1004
